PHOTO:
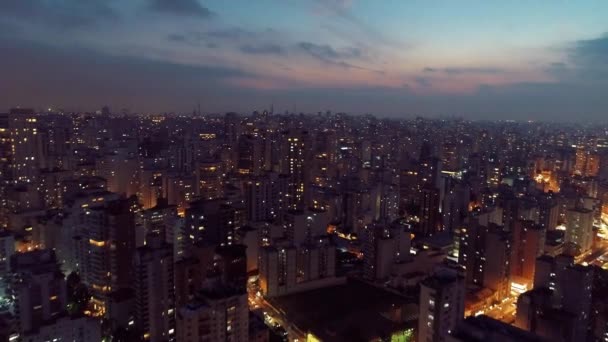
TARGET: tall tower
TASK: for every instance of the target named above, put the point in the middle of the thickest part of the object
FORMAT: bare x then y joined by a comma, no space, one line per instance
155,291
106,242
26,145
250,157
295,156
429,211
258,199
528,244
5,168
579,227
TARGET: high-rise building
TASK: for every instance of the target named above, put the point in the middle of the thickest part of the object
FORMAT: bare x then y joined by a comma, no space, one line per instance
209,222
587,163
5,168
579,228
295,167
454,205
429,172
385,201
548,213
485,253
180,189
593,165
581,161
450,157
494,176
304,226
190,271
219,311
250,158
120,168
155,291
288,269
39,289
161,219
231,127
7,249
497,268
231,263
258,199
382,247
429,215
105,241
27,148
219,315
441,305
150,185
558,307
210,184
409,187
528,243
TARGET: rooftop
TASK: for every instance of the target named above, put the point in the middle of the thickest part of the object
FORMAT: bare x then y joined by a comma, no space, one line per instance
483,328
350,312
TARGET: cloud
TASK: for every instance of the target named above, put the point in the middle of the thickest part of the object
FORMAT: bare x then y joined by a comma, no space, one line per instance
343,4
191,39
592,51
180,7
264,49
76,78
558,65
585,62
340,8
357,28
80,78
571,102
330,56
245,41
233,33
177,37
464,70
458,71
64,15
422,81
324,51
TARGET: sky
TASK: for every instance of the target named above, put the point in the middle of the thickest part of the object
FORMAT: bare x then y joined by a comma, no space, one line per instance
522,60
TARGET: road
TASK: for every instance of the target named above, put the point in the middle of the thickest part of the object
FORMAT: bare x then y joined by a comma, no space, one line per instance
595,257
273,317
504,311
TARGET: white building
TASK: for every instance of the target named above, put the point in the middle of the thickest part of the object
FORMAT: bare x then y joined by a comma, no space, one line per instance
579,228
441,305
290,269
216,317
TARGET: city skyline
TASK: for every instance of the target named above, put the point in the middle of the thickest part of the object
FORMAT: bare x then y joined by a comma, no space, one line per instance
521,61
303,170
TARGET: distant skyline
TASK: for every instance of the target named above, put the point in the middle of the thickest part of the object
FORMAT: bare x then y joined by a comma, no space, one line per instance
521,60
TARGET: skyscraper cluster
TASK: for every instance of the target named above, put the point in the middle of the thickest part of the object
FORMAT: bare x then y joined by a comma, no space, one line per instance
308,227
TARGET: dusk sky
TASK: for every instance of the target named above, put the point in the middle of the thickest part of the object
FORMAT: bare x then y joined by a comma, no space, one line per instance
474,59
